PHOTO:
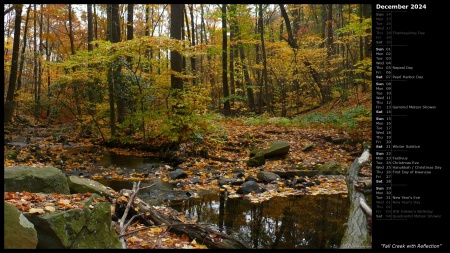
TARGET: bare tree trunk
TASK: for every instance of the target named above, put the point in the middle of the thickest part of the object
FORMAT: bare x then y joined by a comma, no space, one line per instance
176,27
234,53
226,93
72,48
356,236
22,54
47,54
119,92
112,112
326,90
9,102
193,36
264,60
130,28
41,50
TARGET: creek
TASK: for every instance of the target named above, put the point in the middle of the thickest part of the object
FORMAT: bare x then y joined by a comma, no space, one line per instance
292,222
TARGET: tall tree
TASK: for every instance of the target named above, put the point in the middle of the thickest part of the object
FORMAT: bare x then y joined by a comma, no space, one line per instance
22,54
90,27
326,90
233,50
130,26
41,51
240,47
293,43
113,35
47,58
176,26
35,57
226,93
119,92
9,102
193,36
264,58
91,88
72,49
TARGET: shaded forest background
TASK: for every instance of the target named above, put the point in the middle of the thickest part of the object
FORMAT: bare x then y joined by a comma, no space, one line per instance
140,73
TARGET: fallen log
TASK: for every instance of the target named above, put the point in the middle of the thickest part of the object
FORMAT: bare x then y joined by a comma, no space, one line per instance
166,216
356,235
364,185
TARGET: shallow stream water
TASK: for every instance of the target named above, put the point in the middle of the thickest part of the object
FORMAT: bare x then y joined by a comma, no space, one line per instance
293,222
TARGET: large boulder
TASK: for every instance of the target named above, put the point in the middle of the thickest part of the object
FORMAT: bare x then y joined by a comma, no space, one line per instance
19,233
87,228
276,148
32,179
82,185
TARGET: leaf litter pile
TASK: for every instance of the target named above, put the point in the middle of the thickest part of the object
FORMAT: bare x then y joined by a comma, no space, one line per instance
227,157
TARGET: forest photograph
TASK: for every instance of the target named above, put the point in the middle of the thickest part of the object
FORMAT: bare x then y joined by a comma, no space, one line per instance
187,126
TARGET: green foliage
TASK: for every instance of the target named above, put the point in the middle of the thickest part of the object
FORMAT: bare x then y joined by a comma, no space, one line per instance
151,109
356,28
279,121
265,119
347,120
364,67
187,118
256,120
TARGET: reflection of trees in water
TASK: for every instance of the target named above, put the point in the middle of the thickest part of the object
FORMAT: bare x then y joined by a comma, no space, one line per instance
292,222
256,223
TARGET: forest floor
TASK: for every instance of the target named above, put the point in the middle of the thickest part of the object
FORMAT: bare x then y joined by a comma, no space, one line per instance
227,153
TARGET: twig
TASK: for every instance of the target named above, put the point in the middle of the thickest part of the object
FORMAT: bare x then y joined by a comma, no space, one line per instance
122,225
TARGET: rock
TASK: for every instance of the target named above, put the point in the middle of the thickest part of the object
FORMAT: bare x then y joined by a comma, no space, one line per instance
308,147
267,176
19,233
249,187
230,181
256,160
250,178
195,180
339,140
298,173
86,228
177,174
32,179
331,168
277,148
82,185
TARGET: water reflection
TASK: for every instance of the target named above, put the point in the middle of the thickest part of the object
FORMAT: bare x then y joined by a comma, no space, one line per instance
294,222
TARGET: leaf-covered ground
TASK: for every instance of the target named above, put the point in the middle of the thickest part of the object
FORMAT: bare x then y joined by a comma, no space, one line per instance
227,153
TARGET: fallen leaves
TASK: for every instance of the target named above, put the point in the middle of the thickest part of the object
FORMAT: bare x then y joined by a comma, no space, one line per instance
40,203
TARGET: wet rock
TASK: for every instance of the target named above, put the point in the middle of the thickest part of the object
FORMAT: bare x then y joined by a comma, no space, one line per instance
178,174
249,187
230,181
195,180
267,176
250,178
